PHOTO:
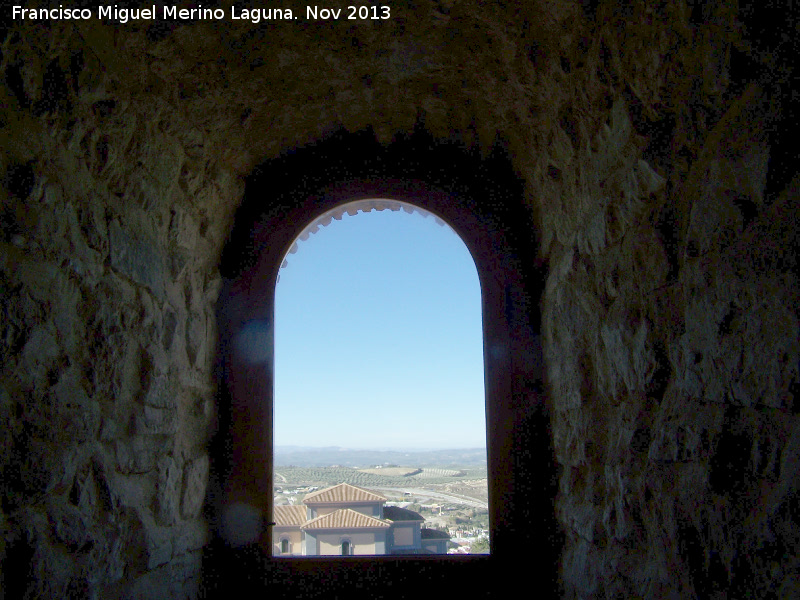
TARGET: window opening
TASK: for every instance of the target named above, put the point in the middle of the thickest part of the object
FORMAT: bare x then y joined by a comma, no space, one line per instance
380,416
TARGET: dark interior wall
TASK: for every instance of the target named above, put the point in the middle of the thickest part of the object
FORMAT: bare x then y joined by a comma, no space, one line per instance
654,147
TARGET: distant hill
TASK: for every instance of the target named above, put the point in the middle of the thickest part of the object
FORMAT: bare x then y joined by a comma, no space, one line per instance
303,456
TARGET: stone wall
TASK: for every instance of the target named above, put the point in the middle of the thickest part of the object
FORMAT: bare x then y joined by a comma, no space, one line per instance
651,140
675,417
672,331
114,215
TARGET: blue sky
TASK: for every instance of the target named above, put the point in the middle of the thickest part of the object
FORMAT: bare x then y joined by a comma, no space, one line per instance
378,340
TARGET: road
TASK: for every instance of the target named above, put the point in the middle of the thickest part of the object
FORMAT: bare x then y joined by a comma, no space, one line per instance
424,494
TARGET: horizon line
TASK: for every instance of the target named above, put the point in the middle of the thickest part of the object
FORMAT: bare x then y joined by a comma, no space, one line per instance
379,448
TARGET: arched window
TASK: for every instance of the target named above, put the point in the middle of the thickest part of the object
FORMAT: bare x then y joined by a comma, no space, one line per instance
379,353
347,549
378,341
485,203
284,546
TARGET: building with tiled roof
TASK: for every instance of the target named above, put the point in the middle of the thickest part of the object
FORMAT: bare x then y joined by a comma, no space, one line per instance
286,531
346,520
344,492
345,532
405,534
434,541
290,515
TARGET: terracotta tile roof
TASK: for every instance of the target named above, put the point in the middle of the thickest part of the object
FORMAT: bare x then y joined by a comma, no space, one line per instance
344,492
288,515
395,513
345,518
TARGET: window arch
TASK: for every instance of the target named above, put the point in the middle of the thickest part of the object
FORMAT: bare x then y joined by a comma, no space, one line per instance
384,310
352,208
481,198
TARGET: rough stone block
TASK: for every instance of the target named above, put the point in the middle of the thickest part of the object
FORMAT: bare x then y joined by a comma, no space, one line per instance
192,535
70,526
138,454
135,255
80,415
161,393
174,581
155,420
133,490
170,475
159,545
40,351
195,480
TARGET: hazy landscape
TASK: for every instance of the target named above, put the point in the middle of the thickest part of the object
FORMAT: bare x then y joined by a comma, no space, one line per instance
447,487
306,456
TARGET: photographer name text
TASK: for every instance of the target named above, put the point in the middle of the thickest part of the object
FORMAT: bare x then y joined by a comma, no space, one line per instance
173,13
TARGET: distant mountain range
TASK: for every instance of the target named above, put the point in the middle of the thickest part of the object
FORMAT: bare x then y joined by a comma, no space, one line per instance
305,456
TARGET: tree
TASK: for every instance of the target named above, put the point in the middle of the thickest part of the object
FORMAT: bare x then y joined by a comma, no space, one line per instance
480,546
